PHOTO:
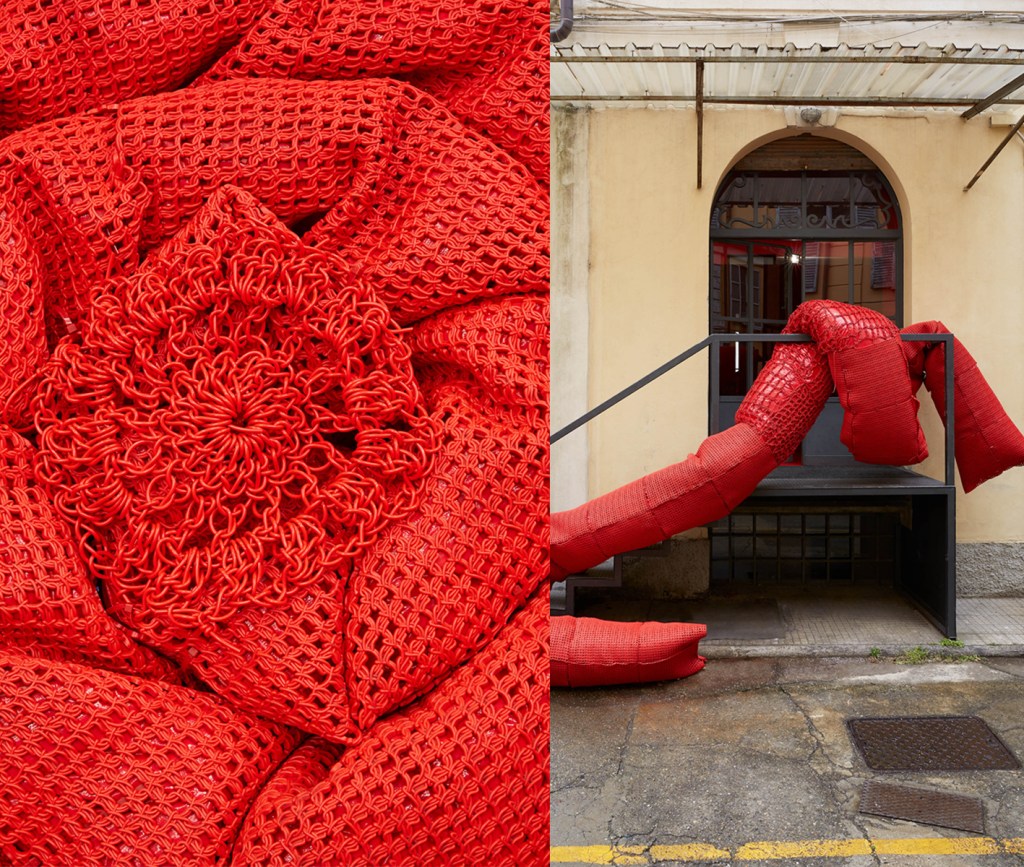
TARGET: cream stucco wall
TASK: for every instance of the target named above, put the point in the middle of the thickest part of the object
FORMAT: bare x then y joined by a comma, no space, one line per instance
647,246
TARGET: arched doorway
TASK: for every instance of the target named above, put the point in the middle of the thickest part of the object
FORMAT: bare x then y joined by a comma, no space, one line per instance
799,218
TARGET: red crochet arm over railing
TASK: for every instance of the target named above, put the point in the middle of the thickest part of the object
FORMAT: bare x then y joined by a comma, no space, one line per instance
875,375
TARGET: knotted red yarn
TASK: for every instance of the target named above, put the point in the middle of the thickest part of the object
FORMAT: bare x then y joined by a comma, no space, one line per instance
49,606
278,349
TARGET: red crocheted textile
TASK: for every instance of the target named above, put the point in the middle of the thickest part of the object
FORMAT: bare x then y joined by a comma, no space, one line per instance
99,768
865,356
430,213
439,585
986,441
413,792
703,488
282,345
237,423
486,61
586,651
48,605
74,55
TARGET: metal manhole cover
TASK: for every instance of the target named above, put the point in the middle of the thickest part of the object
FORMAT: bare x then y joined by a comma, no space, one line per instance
930,743
959,812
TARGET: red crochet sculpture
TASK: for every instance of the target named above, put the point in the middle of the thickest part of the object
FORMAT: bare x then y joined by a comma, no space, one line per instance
273,461
855,350
876,375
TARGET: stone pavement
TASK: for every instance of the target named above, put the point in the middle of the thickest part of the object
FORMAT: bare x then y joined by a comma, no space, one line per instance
750,761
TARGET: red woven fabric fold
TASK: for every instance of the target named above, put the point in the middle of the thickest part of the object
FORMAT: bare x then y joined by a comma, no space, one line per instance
437,586
60,58
429,212
586,651
99,768
457,780
986,442
486,61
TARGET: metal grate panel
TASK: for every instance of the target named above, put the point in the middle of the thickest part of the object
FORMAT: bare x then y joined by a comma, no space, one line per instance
943,809
938,743
805,548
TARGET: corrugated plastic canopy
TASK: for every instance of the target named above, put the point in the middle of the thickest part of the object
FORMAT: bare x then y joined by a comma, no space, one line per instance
921,76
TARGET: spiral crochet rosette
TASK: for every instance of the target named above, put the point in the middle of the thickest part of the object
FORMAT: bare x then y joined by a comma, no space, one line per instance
273,462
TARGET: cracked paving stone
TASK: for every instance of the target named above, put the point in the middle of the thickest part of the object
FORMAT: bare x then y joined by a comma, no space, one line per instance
681,790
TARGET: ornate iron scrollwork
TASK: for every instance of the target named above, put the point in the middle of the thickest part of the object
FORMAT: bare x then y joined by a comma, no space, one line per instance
846,202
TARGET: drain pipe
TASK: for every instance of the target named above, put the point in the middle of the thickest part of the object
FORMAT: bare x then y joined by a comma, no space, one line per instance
564,27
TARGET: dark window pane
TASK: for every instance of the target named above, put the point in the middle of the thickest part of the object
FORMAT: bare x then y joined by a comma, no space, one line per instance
874,276
825,270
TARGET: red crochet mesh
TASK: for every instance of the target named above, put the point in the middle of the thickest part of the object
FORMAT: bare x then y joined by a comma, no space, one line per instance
48,605
787,396
586,651
457,780
431,213
866,362
439,585
78,54
246,463
119,770
487,61
986,441
238,421
22,333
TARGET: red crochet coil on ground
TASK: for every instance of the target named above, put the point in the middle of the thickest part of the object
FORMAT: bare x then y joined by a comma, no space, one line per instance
279,347
586,651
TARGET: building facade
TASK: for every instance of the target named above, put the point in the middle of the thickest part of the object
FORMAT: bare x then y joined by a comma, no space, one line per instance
714,166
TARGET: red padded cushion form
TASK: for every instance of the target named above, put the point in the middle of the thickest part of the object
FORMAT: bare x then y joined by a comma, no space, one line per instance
66,57
460,777
703,488
865,356
586,651
97,766
986,442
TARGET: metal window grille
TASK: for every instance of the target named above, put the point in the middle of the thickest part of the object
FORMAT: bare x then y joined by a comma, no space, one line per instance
806,547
